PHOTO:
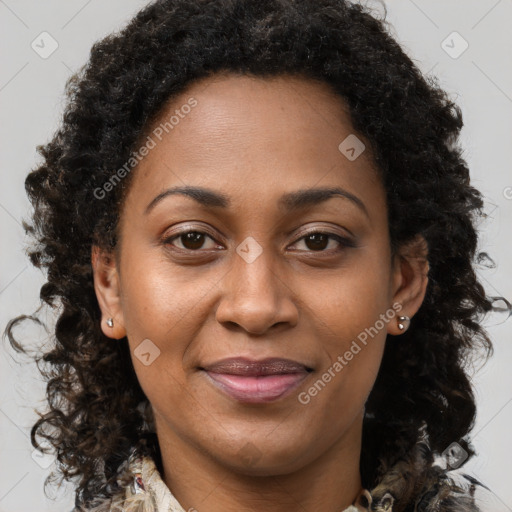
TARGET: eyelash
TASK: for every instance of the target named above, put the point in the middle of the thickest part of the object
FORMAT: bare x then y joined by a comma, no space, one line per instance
344,242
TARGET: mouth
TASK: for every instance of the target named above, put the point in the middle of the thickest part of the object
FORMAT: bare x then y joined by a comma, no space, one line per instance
251,381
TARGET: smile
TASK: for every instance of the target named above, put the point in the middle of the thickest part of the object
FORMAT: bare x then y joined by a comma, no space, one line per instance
256,389
256,381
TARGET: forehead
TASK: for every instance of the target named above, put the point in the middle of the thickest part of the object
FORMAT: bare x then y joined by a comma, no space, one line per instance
259,135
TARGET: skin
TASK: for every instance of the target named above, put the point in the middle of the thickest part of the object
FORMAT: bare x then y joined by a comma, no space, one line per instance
253,140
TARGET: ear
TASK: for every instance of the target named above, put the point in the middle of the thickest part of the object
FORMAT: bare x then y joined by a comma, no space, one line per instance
410,279
107,288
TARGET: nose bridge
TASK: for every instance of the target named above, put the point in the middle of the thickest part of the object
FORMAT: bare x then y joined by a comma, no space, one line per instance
254,267
253,296
254,274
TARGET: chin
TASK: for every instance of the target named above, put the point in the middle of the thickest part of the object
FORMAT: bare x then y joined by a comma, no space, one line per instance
261,458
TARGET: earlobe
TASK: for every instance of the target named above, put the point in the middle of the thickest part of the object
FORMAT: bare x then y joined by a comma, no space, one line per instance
107,289
410,280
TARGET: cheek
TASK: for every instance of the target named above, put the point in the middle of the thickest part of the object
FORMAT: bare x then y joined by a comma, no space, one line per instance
161,300
352,346
349,314
163,311
350,302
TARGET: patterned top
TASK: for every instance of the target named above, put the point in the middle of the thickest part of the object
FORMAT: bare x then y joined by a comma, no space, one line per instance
450,491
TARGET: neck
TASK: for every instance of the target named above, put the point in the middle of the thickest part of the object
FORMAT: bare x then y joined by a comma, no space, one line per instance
329,482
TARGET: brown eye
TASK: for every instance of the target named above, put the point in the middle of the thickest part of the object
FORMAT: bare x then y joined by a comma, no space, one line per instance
318,241
192,240
189,240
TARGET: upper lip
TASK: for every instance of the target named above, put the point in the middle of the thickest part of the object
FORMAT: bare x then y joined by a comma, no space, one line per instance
254,368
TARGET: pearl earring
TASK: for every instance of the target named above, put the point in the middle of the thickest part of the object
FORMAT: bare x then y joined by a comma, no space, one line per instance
403,323
110,322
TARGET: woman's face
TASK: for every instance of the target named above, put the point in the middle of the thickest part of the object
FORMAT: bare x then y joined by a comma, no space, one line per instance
261,159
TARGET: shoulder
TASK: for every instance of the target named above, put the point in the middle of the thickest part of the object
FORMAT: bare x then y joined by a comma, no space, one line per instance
459,491
435,489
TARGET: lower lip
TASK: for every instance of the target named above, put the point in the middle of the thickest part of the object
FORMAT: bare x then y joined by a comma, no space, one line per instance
265,388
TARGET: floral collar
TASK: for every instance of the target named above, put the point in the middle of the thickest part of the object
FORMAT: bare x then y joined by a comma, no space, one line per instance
447,491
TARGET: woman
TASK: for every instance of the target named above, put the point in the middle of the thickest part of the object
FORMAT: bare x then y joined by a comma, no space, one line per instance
262,234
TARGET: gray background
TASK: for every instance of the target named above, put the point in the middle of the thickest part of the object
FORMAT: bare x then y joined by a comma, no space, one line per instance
31,101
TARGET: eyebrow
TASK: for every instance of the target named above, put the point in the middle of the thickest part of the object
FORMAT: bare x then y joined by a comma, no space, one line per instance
290,201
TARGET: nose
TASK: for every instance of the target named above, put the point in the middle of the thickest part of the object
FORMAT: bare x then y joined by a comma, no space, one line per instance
255,296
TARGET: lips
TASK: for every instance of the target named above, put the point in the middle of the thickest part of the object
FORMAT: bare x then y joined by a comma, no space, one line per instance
248,367
252,381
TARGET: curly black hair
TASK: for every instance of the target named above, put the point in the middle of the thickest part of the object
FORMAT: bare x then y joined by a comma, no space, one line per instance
97,410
